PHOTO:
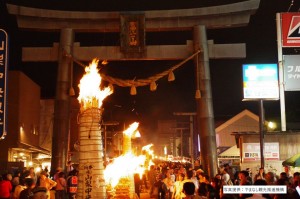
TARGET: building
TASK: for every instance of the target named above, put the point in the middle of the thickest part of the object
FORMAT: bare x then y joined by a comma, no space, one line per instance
21,146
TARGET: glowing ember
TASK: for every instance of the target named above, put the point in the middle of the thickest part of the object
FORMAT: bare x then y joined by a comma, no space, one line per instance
124,166
148,149
90,94
132,128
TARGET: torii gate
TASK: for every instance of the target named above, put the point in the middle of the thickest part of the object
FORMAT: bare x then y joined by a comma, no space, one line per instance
194,19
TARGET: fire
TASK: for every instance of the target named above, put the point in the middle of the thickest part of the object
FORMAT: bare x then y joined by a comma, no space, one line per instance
148,149
132,128
122,167
90,94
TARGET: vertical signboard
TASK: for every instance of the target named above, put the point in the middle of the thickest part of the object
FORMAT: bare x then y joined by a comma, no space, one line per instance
291,72
132,33
260,81
3,71
290,27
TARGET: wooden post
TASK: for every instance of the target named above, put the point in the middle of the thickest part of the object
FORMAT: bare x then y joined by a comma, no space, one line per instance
62,102
205,114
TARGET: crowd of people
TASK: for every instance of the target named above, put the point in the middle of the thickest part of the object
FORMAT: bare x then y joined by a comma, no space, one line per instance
166,180
170,180
28,184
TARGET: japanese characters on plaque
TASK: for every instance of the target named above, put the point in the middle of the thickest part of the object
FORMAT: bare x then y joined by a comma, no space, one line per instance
3,76
132,33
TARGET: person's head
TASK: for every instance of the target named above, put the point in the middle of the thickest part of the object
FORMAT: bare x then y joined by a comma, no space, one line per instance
29,182
286,169
243,175
283,175
189,188
58,169
222,169
9,176
261,170
190,174
203,177
181,176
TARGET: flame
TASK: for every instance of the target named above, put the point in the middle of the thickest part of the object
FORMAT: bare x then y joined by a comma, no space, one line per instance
90,94
124,166
131,129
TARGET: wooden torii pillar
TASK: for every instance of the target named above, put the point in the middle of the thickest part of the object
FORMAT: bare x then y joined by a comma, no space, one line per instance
223,16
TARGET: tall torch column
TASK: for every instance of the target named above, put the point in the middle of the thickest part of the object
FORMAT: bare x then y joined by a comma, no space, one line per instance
91,183
91,180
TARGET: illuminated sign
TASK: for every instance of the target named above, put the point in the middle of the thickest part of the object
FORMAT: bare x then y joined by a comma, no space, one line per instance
251,151
291,72
3,70
290,27
260,81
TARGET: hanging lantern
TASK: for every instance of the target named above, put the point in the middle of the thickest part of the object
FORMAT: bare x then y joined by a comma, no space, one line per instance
171,76
198,94
71,91
153,86
133,90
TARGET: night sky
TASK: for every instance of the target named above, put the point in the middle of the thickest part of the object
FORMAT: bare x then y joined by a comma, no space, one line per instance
177,96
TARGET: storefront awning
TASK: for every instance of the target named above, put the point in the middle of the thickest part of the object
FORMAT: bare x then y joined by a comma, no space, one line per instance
231,153
33,148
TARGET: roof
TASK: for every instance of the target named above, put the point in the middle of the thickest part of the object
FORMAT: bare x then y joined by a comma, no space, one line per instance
231,153
119,5
236,118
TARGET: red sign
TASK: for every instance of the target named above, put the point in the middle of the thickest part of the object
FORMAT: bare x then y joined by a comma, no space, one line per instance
290,27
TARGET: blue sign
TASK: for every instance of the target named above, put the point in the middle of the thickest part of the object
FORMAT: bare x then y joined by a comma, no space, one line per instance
3,76
260,81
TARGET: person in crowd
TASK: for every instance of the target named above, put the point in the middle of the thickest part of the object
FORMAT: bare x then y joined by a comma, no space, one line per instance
191,177
57,171
16,179
27,192
271,178
224,176
249,178
31,174
206,191
169,181
260,175
18,188
137,184
217,184
45,181
288,174
189,191
72,183
152,178
230,171
296,180
5,187
244,180
178,187
260,182
159,188
203,177
61,186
